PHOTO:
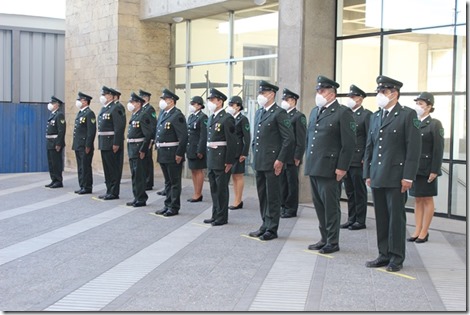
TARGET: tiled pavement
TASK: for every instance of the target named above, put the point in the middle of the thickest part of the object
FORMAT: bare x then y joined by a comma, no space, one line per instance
60,251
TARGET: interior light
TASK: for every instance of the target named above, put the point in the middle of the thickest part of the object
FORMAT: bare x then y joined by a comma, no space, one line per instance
178,19
259,2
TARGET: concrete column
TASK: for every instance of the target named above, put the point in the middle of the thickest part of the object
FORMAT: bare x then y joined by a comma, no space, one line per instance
106,43
306,50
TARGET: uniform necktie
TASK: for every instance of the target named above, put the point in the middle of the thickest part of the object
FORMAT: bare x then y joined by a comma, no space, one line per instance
385,114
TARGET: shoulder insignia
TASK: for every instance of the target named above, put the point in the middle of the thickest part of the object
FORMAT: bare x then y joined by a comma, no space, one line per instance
353,126
247,127
93,120
205,122
154,115
62,121
287,123
441,132
416,122
303,120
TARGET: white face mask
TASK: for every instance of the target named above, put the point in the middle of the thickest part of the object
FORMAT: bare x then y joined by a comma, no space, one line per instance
78,104
162,104
211,106
419,110
231,110
103,100
50,107
350,103
191,109
382,100
320,100
285,105
130,107
262,100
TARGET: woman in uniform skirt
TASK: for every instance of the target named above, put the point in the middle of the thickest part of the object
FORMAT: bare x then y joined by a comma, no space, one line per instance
425,185
197,145
242,131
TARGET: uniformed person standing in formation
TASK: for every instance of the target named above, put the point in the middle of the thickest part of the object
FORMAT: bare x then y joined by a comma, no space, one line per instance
221,145
272,142
390,165
430,163
331,141
290,174
197,145
55,135
139,135
150,110
121,109
171,141
111,126
354,184
242,133
84,133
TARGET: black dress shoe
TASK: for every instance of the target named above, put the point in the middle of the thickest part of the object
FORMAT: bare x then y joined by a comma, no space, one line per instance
208,221
378,262
394,267
170,213
357,226
195,200
57,185
240,206
257,233
422,240
139,204
84,192
215,223
102,196
149,188
49,185
267,236
130,203
317,246
161,193
346,225
329,248
77,191
412,239
162,211
288,215
110,197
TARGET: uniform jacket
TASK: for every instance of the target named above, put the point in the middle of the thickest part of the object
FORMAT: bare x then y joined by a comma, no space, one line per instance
331,140
197,135
171,127
122,110
273,138
56,126
140,126
84,130
432,147
393,147
362,118
242,133
150,110
111,119
221,128
299,127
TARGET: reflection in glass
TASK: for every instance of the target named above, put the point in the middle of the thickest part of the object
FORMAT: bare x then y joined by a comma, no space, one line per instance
461,66
460,128
459,190
352,17
207,42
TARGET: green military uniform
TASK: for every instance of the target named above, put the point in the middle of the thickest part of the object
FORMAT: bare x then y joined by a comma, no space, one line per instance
354,183
330,145
55,135
122,111
197,140
221,145
273,139
392,154
150,110
84,133
243,136
139,135
111,126
171,141
290,174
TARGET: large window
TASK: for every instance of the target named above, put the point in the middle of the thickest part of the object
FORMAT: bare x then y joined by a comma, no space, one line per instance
423,44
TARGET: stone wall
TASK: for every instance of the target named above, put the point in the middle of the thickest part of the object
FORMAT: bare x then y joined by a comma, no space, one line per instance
106,43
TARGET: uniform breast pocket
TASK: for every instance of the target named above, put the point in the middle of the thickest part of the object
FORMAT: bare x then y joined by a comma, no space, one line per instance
332,159
425,162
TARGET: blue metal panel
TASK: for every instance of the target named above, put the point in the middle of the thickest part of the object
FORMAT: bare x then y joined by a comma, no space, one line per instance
23,132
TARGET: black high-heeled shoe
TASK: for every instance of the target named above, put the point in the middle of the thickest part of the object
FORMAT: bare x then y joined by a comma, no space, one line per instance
422,240
240,206
195,200
412,239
